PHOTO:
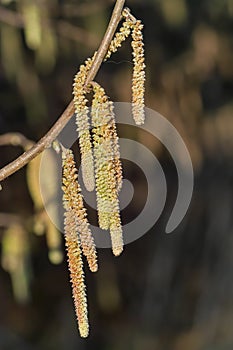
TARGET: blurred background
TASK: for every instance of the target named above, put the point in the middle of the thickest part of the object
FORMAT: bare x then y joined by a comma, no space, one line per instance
166,292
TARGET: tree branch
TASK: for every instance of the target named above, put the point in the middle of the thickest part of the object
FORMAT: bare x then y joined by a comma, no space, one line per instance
15,139
51,135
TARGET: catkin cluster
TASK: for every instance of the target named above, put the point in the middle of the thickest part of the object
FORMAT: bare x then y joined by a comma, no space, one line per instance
100,163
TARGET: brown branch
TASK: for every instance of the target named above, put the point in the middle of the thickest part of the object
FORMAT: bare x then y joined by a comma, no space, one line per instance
51,135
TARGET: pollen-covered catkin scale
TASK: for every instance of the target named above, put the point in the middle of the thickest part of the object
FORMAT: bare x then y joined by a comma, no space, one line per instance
83,125
76,273
105,167
138,80
72,200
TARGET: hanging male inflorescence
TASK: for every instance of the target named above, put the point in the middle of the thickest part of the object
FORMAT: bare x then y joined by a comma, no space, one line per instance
100,164
78,238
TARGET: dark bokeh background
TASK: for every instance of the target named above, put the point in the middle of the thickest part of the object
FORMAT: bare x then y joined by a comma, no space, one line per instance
166,292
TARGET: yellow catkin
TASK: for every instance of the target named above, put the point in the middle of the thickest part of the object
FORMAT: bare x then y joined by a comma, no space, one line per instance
73,200
14,260
105,172
138,80
32,14
119,38
83,125
116,232
76,273
102,155
107,110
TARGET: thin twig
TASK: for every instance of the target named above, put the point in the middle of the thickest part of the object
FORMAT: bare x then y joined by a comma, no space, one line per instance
51,135
15,139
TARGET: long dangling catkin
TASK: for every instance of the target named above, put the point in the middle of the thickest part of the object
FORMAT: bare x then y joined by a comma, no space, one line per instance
83,125
103,120
102,154
76,273
138,80
72,200
106,109
119,38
